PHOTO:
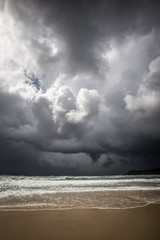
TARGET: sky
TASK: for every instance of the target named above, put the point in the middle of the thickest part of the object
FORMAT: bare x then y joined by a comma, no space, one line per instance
79,86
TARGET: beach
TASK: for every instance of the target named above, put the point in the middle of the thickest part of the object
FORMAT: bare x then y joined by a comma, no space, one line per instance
140,223
62,208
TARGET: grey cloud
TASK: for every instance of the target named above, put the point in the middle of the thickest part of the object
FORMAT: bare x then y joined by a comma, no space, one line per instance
153,77
14,111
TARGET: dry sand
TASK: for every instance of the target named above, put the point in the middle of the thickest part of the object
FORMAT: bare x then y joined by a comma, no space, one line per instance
139,224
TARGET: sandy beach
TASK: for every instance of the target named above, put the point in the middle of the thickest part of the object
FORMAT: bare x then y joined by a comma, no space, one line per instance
141,223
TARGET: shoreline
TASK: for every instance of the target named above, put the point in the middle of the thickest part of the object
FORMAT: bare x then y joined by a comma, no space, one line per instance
81,200
76,208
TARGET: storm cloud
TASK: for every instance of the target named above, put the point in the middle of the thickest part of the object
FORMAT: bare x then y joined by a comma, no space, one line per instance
79,86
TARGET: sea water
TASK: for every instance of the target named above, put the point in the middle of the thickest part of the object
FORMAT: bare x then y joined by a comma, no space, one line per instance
63,192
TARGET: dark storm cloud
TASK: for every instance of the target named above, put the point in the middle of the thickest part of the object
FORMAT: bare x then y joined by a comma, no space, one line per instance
108,162
90,88
88,25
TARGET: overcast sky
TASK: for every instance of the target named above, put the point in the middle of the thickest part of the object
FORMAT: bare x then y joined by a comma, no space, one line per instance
79,86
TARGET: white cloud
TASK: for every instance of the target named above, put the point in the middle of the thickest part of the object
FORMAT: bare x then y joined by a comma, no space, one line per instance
88,104
64,101
145,101
147,97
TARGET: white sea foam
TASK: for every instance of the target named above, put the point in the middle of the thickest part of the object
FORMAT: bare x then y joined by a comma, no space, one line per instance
44,191
21,185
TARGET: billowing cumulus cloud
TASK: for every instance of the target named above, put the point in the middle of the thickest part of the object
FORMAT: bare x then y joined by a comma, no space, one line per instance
79,86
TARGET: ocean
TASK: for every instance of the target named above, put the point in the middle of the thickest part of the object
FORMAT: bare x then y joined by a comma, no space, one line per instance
67,192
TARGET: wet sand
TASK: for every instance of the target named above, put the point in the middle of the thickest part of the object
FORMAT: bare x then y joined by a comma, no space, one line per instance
141,223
